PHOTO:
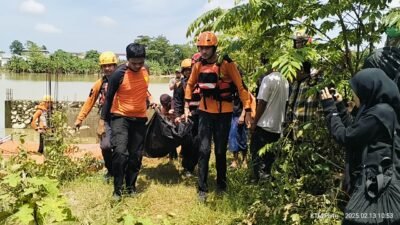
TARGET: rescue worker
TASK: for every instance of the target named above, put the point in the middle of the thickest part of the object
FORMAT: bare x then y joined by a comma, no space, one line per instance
125,109
40,119
303,104
216,82
190,146
108,63
175,81
301,39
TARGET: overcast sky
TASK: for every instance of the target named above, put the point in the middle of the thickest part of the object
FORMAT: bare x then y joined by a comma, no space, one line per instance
102,25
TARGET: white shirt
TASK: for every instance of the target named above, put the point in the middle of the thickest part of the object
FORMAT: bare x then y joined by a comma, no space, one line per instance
274,90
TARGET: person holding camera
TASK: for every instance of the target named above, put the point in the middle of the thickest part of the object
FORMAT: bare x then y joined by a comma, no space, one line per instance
378,100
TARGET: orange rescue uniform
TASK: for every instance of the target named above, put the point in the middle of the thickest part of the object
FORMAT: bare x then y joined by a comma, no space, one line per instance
91,100
228,73
127,93
40,117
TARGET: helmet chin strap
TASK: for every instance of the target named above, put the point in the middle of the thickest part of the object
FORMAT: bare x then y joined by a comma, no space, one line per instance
214,51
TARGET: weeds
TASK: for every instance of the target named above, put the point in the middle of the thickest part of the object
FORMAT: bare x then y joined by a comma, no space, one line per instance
29,192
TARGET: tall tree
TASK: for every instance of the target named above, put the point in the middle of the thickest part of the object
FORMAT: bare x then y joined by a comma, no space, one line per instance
162,54
392,21
92,55
347,30
30,45
16,47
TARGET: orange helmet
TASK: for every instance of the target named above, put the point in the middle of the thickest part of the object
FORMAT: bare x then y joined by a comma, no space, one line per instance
186,63
207,39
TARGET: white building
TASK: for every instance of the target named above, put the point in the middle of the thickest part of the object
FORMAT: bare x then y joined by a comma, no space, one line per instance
4,58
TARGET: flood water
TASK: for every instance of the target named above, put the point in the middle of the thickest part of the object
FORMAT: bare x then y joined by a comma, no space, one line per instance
68,88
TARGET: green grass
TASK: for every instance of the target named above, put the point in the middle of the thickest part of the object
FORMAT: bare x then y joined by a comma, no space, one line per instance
164,197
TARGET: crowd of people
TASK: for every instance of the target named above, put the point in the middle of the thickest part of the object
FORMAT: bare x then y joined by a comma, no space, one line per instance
211,94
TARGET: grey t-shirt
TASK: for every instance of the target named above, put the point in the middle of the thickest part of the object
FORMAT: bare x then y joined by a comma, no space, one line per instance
274,90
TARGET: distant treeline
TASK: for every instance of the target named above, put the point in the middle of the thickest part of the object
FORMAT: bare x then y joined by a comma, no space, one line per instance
162,58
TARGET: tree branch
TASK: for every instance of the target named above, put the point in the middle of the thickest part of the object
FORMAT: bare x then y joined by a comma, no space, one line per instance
346,44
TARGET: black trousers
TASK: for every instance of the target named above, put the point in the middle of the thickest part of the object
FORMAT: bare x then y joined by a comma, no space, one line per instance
216,126
190,147
105,146
262,164
41,142
127,138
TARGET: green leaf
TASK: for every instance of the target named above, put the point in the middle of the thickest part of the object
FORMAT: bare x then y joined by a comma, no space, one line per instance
12,179
129,219
30,190
296,65
296,218
54,209
275,64
24,215
51,185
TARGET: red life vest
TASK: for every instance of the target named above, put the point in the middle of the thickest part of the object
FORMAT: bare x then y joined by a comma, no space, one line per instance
103,92
212,85
196,97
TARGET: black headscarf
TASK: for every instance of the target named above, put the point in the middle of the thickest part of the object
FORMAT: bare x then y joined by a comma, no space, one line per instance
372,86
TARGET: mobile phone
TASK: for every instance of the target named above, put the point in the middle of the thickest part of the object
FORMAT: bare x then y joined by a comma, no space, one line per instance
332,91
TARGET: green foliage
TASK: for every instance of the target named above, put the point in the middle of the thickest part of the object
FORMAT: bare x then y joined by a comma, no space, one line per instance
254,27
16,47
35,61
29,191
31,200
92,55
155,67
304,183
392,21
17,64
58,165
392,18
164,56
128,219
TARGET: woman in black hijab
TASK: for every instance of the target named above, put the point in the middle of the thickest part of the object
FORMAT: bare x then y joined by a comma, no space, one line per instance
378,100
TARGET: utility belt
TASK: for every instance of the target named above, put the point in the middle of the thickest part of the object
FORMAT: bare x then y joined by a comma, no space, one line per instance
223,91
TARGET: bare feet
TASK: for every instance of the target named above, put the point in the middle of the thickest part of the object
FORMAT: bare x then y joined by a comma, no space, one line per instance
234,165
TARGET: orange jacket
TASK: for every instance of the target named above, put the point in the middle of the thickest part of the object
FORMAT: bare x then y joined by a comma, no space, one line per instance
229,72
39,119
90,101
253,105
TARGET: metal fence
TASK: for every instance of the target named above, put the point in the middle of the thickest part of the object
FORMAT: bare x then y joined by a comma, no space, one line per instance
9,94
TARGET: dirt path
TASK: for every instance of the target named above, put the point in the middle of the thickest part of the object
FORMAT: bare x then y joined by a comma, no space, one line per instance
11,148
